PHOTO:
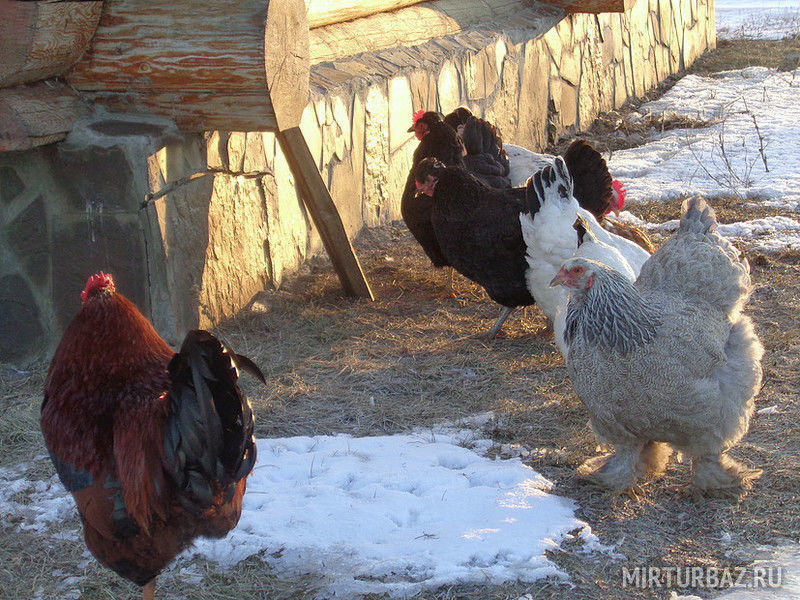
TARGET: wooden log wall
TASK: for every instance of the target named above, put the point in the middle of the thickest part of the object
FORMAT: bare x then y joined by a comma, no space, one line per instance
43,39
201,65
37,114
407,26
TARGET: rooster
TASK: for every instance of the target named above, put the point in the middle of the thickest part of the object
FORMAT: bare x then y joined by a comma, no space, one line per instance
669,361
155,446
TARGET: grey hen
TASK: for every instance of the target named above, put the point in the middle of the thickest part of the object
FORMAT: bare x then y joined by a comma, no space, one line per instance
669,361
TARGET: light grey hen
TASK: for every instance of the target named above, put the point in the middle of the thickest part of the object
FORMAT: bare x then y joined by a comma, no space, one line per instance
668,361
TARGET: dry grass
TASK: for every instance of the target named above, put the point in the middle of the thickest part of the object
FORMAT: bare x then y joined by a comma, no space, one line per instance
416,357
738,54
729,209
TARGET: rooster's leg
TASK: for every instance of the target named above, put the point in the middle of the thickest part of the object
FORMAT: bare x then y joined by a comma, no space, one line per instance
499,323
149,590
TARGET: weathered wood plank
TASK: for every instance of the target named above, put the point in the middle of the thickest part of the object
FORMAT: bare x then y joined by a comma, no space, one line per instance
286,61
326,12
206,65
34,115
43,39
324,213
593,6
196,111
161,45
408,26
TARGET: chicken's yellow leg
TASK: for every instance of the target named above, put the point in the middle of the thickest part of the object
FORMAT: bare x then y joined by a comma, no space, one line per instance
149,590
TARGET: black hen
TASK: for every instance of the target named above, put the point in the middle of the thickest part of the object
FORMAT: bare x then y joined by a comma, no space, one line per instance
591,179
483,143
478,231
437,140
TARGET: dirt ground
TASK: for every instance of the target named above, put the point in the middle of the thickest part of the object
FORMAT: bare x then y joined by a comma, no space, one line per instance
417,356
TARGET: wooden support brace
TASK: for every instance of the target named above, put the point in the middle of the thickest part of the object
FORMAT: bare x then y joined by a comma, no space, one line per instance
324,213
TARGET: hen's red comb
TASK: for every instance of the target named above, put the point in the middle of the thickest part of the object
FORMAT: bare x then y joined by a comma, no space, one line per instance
100,281
418,116
619,188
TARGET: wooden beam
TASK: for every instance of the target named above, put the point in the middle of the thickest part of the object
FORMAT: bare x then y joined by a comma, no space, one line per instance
593,6
324,213
204,65
39,40
196,111
286,62
324,12
34,115
408,26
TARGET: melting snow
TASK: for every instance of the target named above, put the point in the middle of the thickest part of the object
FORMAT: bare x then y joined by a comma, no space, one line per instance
386,514
755,126
396,514
757,118
765,19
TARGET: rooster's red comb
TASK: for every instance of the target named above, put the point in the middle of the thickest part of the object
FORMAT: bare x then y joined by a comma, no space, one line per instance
100,281
619,188
418,115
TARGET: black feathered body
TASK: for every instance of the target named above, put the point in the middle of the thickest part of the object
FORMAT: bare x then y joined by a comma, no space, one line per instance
442,143
591,180
479,233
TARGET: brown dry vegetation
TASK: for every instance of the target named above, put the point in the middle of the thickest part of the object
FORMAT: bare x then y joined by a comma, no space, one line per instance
417,356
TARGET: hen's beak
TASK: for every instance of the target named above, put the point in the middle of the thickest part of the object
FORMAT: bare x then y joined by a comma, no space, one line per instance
559,279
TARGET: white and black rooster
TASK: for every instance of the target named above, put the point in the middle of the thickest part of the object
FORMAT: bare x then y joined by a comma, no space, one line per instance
668,362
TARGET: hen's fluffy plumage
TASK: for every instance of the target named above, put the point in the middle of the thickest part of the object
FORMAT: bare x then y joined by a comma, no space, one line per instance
155,446
485,157
669,359
604,247
549,236
591,180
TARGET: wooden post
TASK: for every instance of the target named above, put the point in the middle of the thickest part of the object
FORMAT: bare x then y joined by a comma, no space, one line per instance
286,73
323,211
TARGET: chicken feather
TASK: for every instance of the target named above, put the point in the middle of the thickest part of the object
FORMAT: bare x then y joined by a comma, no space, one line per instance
154,445
669,359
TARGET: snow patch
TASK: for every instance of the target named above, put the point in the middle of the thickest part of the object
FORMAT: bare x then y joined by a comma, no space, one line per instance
758,120
397,514
386,514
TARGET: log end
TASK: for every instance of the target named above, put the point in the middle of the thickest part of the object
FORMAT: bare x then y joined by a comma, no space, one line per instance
287,60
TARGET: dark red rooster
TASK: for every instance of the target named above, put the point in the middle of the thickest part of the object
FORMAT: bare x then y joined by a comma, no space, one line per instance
155,446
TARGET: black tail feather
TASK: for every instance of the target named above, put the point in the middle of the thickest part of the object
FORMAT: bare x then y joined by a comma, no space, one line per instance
591,178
